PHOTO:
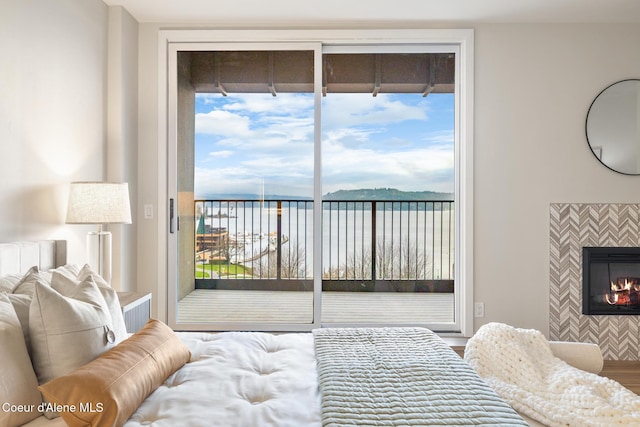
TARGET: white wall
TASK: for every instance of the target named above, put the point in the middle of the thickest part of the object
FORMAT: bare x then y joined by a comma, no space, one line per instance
152,277
533,87
52,114
55,127
122,138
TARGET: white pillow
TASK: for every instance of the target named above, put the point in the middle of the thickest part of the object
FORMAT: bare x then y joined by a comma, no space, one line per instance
9,282
65,284
67,331
18,383
111,296
71,270
21,304
86,270
28,282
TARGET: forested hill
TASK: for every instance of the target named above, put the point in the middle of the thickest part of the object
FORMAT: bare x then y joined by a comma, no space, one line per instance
360,194
386,194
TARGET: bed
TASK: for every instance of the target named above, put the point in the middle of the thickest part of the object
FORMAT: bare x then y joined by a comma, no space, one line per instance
95,374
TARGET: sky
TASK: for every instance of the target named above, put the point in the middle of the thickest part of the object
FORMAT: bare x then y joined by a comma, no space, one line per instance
246,142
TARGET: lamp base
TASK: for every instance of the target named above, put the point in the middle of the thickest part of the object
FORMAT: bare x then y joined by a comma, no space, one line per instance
99,253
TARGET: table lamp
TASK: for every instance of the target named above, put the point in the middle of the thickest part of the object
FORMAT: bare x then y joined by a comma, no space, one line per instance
99,203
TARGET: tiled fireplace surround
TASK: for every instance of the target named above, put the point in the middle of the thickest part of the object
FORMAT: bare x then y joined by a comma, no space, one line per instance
573,226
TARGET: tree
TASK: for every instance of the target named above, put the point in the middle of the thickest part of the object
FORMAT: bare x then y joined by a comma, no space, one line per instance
393,262
293,264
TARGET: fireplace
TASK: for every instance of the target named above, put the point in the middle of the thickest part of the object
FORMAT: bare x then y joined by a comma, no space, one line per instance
610,280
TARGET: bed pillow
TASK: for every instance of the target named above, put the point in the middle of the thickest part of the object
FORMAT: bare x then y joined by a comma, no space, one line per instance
109,294
21,299
71,270
9,282
27,284
21,304
67,330
18,383
117,382
65,284
86,270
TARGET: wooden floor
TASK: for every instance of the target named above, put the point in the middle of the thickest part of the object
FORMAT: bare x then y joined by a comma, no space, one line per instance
207,305
625,372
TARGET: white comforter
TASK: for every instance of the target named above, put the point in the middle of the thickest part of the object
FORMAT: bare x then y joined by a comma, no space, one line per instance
246,379
238,379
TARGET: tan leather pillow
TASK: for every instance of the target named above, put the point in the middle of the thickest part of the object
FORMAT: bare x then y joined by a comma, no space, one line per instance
106,391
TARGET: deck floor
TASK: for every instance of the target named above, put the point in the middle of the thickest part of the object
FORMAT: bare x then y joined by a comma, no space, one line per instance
206,305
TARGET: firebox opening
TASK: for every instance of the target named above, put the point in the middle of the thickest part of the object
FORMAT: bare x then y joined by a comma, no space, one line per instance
611,280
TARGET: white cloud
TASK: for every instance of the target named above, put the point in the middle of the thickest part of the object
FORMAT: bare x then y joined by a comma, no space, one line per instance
280,179
283,104
443,137
346,110
348,136
221,153
413,170
220,122
365,144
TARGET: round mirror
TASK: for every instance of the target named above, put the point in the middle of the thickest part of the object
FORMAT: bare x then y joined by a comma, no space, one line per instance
613,127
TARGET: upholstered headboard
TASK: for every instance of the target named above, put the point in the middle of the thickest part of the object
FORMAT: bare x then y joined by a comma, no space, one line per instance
18,257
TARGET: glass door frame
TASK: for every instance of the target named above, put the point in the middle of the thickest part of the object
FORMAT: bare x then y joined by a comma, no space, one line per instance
172,41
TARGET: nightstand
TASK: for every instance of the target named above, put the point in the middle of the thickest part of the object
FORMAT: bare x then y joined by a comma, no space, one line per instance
136,309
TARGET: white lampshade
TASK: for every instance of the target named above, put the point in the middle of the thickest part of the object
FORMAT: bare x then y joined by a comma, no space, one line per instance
99,203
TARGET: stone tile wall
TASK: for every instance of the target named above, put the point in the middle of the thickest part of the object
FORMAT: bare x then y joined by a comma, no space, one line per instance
573,226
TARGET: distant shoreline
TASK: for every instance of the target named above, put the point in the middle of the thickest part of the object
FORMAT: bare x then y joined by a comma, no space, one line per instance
378,194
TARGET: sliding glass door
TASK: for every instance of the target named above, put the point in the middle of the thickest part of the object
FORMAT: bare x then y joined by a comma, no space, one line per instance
245,156
388,186
313,185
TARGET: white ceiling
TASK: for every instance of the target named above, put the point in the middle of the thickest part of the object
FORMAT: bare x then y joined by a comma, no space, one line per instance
337,12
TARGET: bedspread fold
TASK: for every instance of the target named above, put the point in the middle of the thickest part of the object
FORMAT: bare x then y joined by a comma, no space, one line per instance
401,377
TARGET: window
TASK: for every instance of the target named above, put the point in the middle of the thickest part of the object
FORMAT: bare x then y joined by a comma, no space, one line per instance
274,211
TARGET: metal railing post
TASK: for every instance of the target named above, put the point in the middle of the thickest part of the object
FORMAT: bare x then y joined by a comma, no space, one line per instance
373,242
279,240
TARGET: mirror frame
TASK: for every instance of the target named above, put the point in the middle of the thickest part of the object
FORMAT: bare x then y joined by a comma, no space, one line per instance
595,148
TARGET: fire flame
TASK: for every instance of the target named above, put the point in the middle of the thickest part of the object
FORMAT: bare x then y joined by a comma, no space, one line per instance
621,291
612,298
626,285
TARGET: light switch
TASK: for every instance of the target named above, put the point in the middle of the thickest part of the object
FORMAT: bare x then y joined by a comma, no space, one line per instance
148,211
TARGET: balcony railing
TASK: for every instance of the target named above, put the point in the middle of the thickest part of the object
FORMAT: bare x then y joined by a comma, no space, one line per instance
388,246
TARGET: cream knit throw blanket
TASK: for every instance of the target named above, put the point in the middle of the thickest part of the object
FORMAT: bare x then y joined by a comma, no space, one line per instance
521,368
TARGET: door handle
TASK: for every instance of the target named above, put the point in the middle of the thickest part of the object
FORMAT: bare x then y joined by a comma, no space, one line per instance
171,214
